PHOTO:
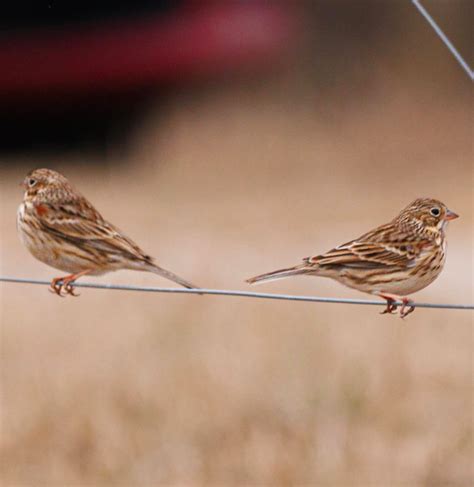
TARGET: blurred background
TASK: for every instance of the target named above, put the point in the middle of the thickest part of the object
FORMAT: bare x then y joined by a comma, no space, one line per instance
230,139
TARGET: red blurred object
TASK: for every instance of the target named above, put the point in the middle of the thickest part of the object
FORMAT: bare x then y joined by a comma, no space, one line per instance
128,54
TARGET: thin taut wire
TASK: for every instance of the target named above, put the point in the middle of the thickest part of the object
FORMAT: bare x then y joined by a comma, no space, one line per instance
241,294
444,38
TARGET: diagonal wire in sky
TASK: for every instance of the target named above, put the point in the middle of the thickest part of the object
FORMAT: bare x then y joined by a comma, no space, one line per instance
444,38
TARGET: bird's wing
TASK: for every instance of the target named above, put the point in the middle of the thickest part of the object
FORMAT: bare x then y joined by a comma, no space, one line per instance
79,221
368,253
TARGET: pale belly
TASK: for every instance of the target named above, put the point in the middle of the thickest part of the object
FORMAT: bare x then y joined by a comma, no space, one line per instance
398,282
408,286
51,251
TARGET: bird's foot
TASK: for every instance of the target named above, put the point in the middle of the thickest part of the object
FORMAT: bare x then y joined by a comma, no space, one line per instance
64,286
391,307
406,308
56,286
69,288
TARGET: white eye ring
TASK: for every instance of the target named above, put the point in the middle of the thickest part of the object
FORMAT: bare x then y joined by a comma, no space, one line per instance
32,182
435,211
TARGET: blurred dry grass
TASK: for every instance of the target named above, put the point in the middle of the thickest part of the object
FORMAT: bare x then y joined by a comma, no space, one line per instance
136,389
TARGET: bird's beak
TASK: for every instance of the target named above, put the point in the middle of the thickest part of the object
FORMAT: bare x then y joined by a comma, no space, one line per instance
450,215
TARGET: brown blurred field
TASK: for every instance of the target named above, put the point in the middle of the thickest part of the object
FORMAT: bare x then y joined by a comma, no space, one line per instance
221,183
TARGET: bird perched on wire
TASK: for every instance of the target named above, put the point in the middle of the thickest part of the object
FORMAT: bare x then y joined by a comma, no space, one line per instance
62,229
391,261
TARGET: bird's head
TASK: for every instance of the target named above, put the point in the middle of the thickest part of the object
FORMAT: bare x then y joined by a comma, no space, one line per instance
42,181
427,214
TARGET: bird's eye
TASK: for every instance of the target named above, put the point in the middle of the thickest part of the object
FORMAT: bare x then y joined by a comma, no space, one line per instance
435,211
31,182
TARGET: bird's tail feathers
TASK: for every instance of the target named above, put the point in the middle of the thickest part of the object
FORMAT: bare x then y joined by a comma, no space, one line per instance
171,276
279,274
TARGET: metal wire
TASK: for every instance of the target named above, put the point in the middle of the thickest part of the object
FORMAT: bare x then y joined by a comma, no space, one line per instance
443,37
241,294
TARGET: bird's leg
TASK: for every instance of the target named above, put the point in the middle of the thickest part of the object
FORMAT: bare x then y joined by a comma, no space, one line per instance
66,283
391,307
391,300
406,308
56,286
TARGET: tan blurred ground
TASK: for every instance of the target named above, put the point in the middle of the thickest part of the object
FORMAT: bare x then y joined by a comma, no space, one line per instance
118,388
